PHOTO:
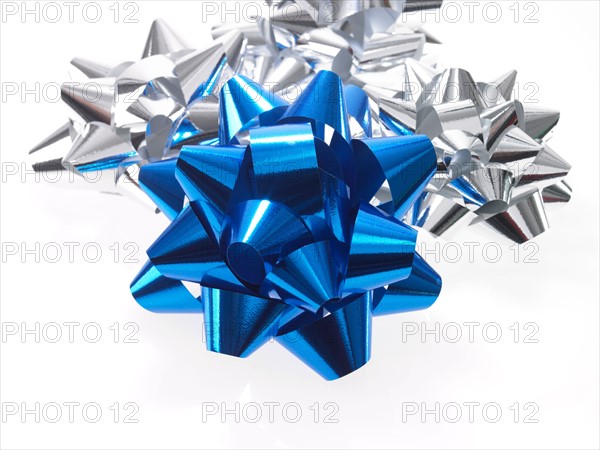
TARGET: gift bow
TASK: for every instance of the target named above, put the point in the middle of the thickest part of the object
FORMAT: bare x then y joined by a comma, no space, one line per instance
301,38
124,116
280,233
495,166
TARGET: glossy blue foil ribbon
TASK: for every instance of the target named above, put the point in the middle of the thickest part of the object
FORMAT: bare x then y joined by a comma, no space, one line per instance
279,231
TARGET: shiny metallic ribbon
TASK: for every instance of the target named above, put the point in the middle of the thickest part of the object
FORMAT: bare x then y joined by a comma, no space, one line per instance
303,37
280,230
495,167
136,113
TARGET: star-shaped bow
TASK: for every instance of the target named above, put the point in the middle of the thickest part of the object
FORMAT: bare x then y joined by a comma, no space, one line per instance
495,166
280,233
124,116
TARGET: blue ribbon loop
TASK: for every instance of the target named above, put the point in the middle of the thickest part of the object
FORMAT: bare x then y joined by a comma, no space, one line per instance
280,232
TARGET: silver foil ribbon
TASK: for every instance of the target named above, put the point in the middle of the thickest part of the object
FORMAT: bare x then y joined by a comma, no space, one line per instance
495,166
303,37
124,116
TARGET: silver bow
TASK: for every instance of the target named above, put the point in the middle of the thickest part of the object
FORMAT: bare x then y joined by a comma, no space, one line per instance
124,116
346,37
495,166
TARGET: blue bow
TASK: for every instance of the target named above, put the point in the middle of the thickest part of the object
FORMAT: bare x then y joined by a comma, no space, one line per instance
279,229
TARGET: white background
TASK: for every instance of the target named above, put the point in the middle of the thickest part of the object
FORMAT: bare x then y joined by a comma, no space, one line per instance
171,377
